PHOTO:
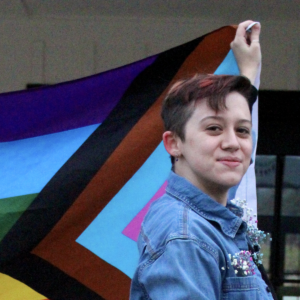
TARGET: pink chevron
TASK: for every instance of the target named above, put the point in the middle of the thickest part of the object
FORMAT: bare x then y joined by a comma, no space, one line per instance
132,230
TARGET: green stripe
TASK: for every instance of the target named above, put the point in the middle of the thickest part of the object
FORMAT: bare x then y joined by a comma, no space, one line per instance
11,209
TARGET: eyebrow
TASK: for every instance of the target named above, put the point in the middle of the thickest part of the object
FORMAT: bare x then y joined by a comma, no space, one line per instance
221,119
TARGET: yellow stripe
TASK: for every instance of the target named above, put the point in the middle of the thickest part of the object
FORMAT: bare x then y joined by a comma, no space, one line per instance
12,289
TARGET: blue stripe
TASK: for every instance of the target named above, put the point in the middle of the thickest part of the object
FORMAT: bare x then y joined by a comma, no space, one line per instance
108,242
27,165
228,66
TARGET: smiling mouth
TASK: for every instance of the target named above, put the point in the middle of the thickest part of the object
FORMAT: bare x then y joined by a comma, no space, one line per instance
230,161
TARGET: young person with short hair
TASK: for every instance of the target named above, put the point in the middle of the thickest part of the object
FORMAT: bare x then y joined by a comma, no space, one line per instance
190,234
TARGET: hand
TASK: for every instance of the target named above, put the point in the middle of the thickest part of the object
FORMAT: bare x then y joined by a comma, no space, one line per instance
246,49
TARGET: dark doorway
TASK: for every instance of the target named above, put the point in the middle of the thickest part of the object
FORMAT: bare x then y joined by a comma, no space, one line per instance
278,186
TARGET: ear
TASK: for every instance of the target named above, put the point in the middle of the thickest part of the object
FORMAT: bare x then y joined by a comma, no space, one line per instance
171,143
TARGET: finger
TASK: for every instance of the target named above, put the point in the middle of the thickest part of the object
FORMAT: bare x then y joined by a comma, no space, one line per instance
241,30
255,32
248,29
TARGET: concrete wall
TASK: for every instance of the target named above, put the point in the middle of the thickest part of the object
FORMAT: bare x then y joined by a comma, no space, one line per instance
52,50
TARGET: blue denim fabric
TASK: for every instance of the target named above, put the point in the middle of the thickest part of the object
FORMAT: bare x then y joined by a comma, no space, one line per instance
184,244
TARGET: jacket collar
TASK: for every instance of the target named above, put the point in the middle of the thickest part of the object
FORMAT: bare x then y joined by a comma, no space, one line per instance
229,217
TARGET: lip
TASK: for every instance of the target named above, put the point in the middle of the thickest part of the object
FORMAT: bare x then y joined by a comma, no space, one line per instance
230,161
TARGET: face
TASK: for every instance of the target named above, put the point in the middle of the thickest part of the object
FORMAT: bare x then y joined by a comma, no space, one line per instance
217,149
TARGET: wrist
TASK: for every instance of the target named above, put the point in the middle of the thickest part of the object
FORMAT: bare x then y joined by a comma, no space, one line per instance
250,74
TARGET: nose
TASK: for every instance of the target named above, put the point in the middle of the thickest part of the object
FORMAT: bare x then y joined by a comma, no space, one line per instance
230,141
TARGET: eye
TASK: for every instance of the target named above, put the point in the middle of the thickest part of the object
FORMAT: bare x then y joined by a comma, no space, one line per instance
243,131
214,129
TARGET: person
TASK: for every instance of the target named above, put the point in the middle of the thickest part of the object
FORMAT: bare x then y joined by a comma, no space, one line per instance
191,236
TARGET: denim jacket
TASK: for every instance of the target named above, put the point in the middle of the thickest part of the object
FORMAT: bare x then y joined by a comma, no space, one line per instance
184,244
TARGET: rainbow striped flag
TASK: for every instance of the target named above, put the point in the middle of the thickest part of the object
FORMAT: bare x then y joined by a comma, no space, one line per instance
81,162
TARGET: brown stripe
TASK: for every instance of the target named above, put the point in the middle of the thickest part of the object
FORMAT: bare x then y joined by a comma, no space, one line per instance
59,246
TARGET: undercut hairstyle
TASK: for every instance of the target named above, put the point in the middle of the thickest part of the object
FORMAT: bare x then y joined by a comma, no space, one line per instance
178,106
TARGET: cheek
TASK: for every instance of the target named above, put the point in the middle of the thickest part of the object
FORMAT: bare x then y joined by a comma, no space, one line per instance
248,149
191,144
198,147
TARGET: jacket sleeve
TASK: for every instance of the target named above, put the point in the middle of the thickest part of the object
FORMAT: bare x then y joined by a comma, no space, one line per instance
185,269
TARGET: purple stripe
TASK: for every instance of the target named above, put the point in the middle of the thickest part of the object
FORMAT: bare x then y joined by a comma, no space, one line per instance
67,105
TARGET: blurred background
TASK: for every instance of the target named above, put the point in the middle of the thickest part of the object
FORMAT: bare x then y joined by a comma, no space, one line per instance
59,40
47,42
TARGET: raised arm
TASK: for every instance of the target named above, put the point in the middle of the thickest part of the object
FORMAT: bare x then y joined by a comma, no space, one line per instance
246,49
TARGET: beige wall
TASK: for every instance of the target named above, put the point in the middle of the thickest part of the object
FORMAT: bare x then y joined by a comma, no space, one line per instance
60,49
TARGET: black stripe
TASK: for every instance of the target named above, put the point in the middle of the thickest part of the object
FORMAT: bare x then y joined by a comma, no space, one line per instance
47,280
64,188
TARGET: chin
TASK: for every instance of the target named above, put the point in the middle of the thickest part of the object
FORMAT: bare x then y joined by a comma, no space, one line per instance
230,177
231,182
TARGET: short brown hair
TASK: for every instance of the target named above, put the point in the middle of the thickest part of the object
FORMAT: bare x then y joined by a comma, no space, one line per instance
177,108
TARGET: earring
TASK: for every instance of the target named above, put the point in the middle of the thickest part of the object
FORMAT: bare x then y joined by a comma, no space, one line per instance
176,157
